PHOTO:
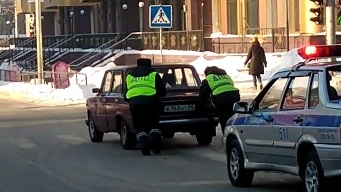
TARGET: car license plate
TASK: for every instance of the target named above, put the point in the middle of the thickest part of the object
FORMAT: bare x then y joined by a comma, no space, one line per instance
179,108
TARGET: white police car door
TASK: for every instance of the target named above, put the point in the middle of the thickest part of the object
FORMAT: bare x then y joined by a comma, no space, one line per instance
289,120
257,131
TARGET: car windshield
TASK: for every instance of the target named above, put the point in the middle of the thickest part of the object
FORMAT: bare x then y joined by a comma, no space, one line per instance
178,77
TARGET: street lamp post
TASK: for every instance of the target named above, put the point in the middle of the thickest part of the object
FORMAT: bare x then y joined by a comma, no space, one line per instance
141,5
12,29
202,27
124,7
72,22
287,24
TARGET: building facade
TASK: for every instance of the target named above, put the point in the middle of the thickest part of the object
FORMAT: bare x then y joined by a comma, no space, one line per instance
237,17
62,17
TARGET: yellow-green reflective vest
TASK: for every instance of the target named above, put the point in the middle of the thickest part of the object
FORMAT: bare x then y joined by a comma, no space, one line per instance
141,86
220,83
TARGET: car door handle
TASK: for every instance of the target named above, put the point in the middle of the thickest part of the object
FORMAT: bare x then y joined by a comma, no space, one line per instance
298,119
116,100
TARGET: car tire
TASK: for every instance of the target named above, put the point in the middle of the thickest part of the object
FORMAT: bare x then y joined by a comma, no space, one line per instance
204,138
127,138
238,175
168,135
95,135
312,176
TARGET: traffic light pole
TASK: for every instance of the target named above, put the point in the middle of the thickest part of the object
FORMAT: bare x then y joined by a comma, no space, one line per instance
330,22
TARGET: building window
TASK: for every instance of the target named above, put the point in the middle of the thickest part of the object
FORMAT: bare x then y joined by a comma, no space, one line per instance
271,14
252,10
232,20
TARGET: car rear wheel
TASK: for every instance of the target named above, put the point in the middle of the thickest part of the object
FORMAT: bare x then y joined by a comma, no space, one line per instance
95,135
238,175
204,138
313,173
128,139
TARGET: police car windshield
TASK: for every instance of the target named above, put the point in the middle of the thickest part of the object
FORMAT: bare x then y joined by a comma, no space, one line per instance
178,77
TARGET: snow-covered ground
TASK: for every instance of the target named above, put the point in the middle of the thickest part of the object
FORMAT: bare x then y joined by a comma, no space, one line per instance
77,94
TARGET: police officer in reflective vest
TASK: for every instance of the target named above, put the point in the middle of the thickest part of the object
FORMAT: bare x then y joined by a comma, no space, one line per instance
220,86
144,88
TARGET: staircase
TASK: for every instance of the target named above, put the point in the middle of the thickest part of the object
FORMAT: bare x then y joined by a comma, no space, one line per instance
95,55
122,45
20,49
29,63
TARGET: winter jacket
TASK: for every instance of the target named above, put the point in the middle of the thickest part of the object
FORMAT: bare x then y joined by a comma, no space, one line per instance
141,71
257,56
205,90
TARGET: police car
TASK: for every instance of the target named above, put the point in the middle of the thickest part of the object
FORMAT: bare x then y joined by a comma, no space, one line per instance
293,125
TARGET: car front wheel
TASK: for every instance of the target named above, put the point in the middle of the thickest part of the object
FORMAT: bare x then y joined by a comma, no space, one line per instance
128,139
95,135
238,175
313,173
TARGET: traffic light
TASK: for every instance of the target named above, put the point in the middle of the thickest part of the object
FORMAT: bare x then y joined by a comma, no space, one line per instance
338,16
318,12
318,2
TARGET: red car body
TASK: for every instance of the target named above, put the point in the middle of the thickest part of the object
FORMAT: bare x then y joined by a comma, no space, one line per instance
182,110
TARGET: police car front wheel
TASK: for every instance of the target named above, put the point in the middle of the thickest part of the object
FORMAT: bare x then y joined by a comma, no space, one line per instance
238,175
313,173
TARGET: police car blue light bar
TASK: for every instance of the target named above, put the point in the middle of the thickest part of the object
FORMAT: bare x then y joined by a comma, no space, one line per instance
319,51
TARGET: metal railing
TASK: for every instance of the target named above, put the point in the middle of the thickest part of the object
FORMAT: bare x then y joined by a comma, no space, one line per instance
96,52
17,50
271,39
117,47
55,78
47,52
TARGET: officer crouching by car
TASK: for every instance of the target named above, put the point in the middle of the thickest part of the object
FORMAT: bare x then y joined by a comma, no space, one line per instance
144,89
220,86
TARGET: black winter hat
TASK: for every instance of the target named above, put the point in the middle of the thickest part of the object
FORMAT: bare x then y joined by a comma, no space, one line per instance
208,69
144,62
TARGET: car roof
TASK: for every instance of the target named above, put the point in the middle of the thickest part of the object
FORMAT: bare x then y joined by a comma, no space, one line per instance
313,66
154,65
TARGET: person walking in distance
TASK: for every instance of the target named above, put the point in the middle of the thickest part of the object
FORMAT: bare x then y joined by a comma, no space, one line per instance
144,89
256,61
220,86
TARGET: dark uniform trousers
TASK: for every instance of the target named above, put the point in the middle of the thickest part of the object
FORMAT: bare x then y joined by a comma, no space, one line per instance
145,115
224,105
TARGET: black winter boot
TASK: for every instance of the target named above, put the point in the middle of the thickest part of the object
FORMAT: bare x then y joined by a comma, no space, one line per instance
143,140
155,140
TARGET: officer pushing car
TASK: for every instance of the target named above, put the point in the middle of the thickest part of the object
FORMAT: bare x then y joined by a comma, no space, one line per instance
144,88
224,94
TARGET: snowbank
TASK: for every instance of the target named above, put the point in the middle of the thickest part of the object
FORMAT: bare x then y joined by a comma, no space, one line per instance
233,64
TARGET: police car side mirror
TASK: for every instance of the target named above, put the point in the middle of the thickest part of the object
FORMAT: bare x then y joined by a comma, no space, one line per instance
241,107
96,90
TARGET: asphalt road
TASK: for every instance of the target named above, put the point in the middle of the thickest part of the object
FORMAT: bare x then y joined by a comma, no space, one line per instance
45,149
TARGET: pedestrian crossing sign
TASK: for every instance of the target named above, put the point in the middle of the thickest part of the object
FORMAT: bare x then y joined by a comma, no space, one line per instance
160,16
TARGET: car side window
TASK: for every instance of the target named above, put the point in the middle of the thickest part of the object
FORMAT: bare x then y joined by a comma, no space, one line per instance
295,95
107,83
272,97
314,92
117,82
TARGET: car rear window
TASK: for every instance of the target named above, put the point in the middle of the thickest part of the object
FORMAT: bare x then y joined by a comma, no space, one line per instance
178,77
